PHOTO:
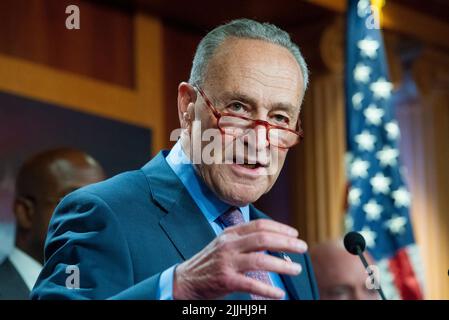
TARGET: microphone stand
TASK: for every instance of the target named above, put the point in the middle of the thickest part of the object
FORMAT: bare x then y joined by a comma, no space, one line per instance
370,273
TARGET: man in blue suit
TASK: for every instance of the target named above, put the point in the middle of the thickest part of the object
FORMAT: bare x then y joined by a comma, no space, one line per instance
183,226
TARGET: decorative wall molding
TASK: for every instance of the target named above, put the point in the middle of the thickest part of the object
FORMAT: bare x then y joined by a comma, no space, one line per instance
142,106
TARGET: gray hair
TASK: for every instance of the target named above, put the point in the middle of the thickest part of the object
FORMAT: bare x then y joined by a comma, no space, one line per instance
246,29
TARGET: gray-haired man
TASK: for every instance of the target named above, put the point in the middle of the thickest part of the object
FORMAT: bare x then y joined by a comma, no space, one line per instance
183,226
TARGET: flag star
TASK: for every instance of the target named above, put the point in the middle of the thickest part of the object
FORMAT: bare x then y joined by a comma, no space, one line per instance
381,88
392,129
372,210
380,183
387,156
368,47
354,196
357,100
362,72
363,7
397,224
373,114
365,140
401,197
369,235
359,168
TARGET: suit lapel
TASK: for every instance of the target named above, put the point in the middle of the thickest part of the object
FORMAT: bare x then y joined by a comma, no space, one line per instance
184,223
12,286
188,229
295,285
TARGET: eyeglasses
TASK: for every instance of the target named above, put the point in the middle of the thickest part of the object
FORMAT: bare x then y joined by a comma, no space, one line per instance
238,126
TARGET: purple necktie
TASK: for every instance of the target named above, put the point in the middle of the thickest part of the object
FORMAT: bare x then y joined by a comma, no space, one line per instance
233,217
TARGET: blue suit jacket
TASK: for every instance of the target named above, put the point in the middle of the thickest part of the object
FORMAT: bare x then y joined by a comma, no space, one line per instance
122,233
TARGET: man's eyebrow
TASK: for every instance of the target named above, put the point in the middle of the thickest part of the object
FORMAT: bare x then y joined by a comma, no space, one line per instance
287,107
240,96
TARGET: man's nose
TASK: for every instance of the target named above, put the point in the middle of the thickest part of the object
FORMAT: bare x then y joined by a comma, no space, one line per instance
261,137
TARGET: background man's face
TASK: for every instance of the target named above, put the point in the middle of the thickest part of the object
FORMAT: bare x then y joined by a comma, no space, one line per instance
266,80
65,176
341,275
42,181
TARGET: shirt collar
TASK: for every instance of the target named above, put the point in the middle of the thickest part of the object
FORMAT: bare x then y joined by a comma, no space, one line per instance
26,266
210,205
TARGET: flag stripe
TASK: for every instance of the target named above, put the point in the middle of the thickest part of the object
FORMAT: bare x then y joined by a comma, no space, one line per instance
386,280
404,276
418,267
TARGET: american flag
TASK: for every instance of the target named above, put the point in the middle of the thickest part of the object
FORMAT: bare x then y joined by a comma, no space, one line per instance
378,199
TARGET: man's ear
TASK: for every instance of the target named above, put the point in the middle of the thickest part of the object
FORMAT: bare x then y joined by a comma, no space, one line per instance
24,212
186,102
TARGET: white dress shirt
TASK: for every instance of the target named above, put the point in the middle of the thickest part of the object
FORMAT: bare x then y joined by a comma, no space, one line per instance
26,266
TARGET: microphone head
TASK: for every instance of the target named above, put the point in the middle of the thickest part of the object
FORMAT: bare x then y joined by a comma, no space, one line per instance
353,240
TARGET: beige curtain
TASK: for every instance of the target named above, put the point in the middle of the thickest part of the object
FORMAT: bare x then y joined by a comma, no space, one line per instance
321,178
424,121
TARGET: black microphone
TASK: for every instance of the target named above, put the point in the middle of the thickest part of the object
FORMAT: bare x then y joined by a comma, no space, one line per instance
355,244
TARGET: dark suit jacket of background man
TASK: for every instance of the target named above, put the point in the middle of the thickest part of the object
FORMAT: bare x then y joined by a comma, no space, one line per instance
12,286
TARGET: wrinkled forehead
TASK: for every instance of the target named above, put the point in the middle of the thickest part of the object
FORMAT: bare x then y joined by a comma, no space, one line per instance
263,70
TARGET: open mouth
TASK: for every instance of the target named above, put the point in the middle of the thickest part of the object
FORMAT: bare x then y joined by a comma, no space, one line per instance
249,164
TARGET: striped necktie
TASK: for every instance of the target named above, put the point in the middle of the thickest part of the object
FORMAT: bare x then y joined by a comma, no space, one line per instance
234,217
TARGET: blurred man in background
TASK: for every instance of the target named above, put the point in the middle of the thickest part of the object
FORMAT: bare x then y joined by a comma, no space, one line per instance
340,275
42,181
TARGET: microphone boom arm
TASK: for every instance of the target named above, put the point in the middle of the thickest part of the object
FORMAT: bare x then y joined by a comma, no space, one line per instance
370,272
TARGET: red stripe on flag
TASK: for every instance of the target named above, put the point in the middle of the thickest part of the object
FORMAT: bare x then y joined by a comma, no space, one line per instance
404,276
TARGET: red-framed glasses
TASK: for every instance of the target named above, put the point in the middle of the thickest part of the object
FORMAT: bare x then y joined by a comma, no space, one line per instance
238,126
